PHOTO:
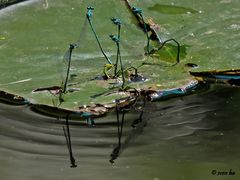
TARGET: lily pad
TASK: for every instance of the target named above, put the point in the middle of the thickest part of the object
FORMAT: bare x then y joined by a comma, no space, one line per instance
33,51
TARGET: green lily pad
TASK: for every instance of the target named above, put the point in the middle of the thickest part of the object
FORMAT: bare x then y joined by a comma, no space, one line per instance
31,55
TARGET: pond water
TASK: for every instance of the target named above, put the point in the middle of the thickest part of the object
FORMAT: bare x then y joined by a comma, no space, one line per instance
184,138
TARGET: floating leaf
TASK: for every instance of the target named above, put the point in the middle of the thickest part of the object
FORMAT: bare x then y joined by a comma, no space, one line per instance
39,57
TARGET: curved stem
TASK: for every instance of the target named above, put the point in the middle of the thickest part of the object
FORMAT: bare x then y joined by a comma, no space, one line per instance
178,48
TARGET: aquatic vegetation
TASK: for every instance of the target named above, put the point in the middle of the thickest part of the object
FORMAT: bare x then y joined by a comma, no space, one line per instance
90,85
157,44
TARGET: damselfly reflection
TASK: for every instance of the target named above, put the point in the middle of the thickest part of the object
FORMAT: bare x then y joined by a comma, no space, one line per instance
67,135
137,125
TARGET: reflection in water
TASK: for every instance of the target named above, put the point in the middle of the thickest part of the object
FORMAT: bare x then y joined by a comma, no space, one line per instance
69,143
198,128
137,125
116,150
